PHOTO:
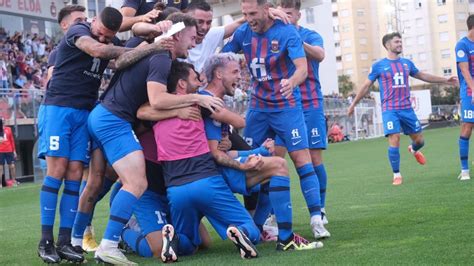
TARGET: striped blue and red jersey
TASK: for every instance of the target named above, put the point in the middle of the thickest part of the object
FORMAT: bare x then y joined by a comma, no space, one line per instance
269,58
393,76
465,53
311,94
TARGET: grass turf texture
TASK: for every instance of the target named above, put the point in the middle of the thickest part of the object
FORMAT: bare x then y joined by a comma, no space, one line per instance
427,220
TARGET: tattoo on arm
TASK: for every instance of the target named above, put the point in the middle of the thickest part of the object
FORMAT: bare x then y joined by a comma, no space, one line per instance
131,57
224,160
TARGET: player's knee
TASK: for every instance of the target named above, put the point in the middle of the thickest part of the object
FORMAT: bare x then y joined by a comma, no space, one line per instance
139,186
281,166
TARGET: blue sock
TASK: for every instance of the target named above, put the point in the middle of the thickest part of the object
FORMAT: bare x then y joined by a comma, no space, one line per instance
114,192
80,224
464,152
263,206
185,245
48,202
310,187
137,242
68,210
417,147
394,158
281,202
83,186
323,180
120,213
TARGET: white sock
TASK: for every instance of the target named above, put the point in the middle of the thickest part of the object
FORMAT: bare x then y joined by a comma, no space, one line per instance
316,219
108,244
395,175
76,242
465,171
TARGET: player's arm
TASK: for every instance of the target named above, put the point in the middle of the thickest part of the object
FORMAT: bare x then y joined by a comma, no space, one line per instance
129,18
49,73
436,79
160,99
148,113
144,29
274,13
464,66
360,94
223,159
314,52
226,116
301,72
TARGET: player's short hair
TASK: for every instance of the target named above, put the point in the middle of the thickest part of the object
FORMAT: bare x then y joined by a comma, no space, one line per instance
470,22
218,60
259,2
296,4
388,37
67,10
179,70
111,18
166,13
199,4
181,17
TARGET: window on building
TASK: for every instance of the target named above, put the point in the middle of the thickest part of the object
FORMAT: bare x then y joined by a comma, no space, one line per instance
347,43
444,36
334,14
363,41
447,71
339,58
349,72
338,65
418,4
348,57
422,56
344,13
445,53
335,28
408,41
310,15
360,12
461,16
420,40
364,56
346,28
361,26
443,18
441,2
419,22
337,44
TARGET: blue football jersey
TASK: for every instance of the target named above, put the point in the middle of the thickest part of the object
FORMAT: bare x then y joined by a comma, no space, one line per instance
465,53
269,58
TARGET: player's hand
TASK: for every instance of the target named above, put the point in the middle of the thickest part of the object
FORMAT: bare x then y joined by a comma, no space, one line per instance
269,144
225,144
14,155
350,111
453,81
190,113
286,88
166,43
150,16
275,13
212,103
253,163
163,26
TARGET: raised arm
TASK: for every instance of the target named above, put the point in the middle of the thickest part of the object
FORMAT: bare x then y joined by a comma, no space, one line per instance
360,94
129,18
99,50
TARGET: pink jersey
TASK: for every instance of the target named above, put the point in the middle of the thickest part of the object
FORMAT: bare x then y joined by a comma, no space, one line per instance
147,140
178,139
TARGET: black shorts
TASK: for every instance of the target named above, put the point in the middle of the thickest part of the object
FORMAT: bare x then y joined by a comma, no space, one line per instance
7,157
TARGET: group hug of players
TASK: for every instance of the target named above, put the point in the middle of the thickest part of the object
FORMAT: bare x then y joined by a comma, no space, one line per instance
161,134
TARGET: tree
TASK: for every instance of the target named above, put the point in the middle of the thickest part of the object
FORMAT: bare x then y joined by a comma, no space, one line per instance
346,86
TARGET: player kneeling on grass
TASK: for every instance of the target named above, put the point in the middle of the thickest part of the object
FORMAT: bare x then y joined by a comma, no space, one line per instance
223,73
397,113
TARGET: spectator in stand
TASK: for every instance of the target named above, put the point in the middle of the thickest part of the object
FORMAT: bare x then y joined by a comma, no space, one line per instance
3,71
8,152
335,133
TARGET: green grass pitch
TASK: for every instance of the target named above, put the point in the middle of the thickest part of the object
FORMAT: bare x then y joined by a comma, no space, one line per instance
427,220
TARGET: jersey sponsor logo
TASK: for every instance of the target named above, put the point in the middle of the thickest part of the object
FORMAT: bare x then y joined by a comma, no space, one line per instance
461,53
95,69
258,67
275,46
398,80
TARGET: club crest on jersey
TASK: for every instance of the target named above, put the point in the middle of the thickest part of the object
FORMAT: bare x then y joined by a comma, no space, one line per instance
461,54
405,66
275,46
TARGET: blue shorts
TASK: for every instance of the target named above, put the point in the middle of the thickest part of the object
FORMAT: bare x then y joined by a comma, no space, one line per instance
151,212
397,120
7,157
467,111
113,134
212,198
63,133
288,125
316,130
237,179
